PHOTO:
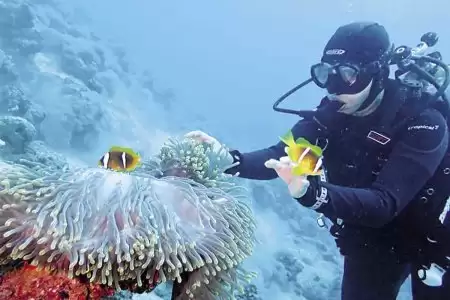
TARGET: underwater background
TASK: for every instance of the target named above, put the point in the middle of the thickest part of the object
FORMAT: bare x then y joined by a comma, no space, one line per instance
79,76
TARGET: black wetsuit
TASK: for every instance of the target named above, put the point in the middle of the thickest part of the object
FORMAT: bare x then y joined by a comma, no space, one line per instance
376,194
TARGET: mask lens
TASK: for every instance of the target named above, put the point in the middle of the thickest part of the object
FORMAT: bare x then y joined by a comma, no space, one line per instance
348,74
320,73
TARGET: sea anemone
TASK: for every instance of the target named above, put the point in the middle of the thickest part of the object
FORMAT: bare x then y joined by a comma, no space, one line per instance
197,161
116,228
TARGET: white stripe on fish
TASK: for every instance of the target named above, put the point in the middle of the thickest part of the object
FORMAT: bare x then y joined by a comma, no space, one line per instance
124,160
105,160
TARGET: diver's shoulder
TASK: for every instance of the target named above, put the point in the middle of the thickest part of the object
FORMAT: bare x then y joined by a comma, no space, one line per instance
427,131
432,116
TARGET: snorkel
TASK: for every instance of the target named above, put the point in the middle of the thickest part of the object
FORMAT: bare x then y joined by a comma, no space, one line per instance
416,68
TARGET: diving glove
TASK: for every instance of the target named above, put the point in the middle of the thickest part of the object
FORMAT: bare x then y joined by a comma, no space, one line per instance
203,137
217,146
297,185
307,190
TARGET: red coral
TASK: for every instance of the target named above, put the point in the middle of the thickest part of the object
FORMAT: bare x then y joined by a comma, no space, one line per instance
29,283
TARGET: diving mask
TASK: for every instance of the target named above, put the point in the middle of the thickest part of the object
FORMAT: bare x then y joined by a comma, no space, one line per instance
343,78
320,73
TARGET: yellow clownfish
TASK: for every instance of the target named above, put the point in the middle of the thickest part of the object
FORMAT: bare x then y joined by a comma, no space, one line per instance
307,158
120,159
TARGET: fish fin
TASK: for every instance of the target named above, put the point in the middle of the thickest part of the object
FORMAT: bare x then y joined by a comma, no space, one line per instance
288,139
303,142
124,149
316,150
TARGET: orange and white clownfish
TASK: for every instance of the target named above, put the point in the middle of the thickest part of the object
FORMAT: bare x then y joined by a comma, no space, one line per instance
120,159
307,158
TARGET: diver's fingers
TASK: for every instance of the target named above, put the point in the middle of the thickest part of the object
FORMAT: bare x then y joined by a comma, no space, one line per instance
199,136
285,160
272,164
195,134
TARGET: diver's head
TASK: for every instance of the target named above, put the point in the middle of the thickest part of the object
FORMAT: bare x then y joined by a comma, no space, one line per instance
355,66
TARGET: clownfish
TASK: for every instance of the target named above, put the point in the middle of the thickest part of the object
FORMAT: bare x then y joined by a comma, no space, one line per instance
307,158
120,159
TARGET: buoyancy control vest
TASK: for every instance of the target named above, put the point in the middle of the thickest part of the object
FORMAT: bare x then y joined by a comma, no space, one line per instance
362,154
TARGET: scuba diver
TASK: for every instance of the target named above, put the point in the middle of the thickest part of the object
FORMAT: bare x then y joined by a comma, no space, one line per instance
385,160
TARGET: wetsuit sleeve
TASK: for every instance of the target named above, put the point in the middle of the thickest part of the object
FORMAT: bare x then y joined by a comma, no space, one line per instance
411,164
251,164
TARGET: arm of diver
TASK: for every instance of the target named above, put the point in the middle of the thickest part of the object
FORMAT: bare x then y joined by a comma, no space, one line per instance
251,164
412,163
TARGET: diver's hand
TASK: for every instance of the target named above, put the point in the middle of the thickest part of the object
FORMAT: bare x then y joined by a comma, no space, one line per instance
203,137
308,191
217,146
297,185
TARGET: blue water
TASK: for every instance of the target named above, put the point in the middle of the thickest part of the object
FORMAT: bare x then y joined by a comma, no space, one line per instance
135,72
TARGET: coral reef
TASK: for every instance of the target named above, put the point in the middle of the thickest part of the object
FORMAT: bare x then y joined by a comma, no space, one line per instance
17,37
66,81
131,231
38,156
16,133
308,266
250,293
29,282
